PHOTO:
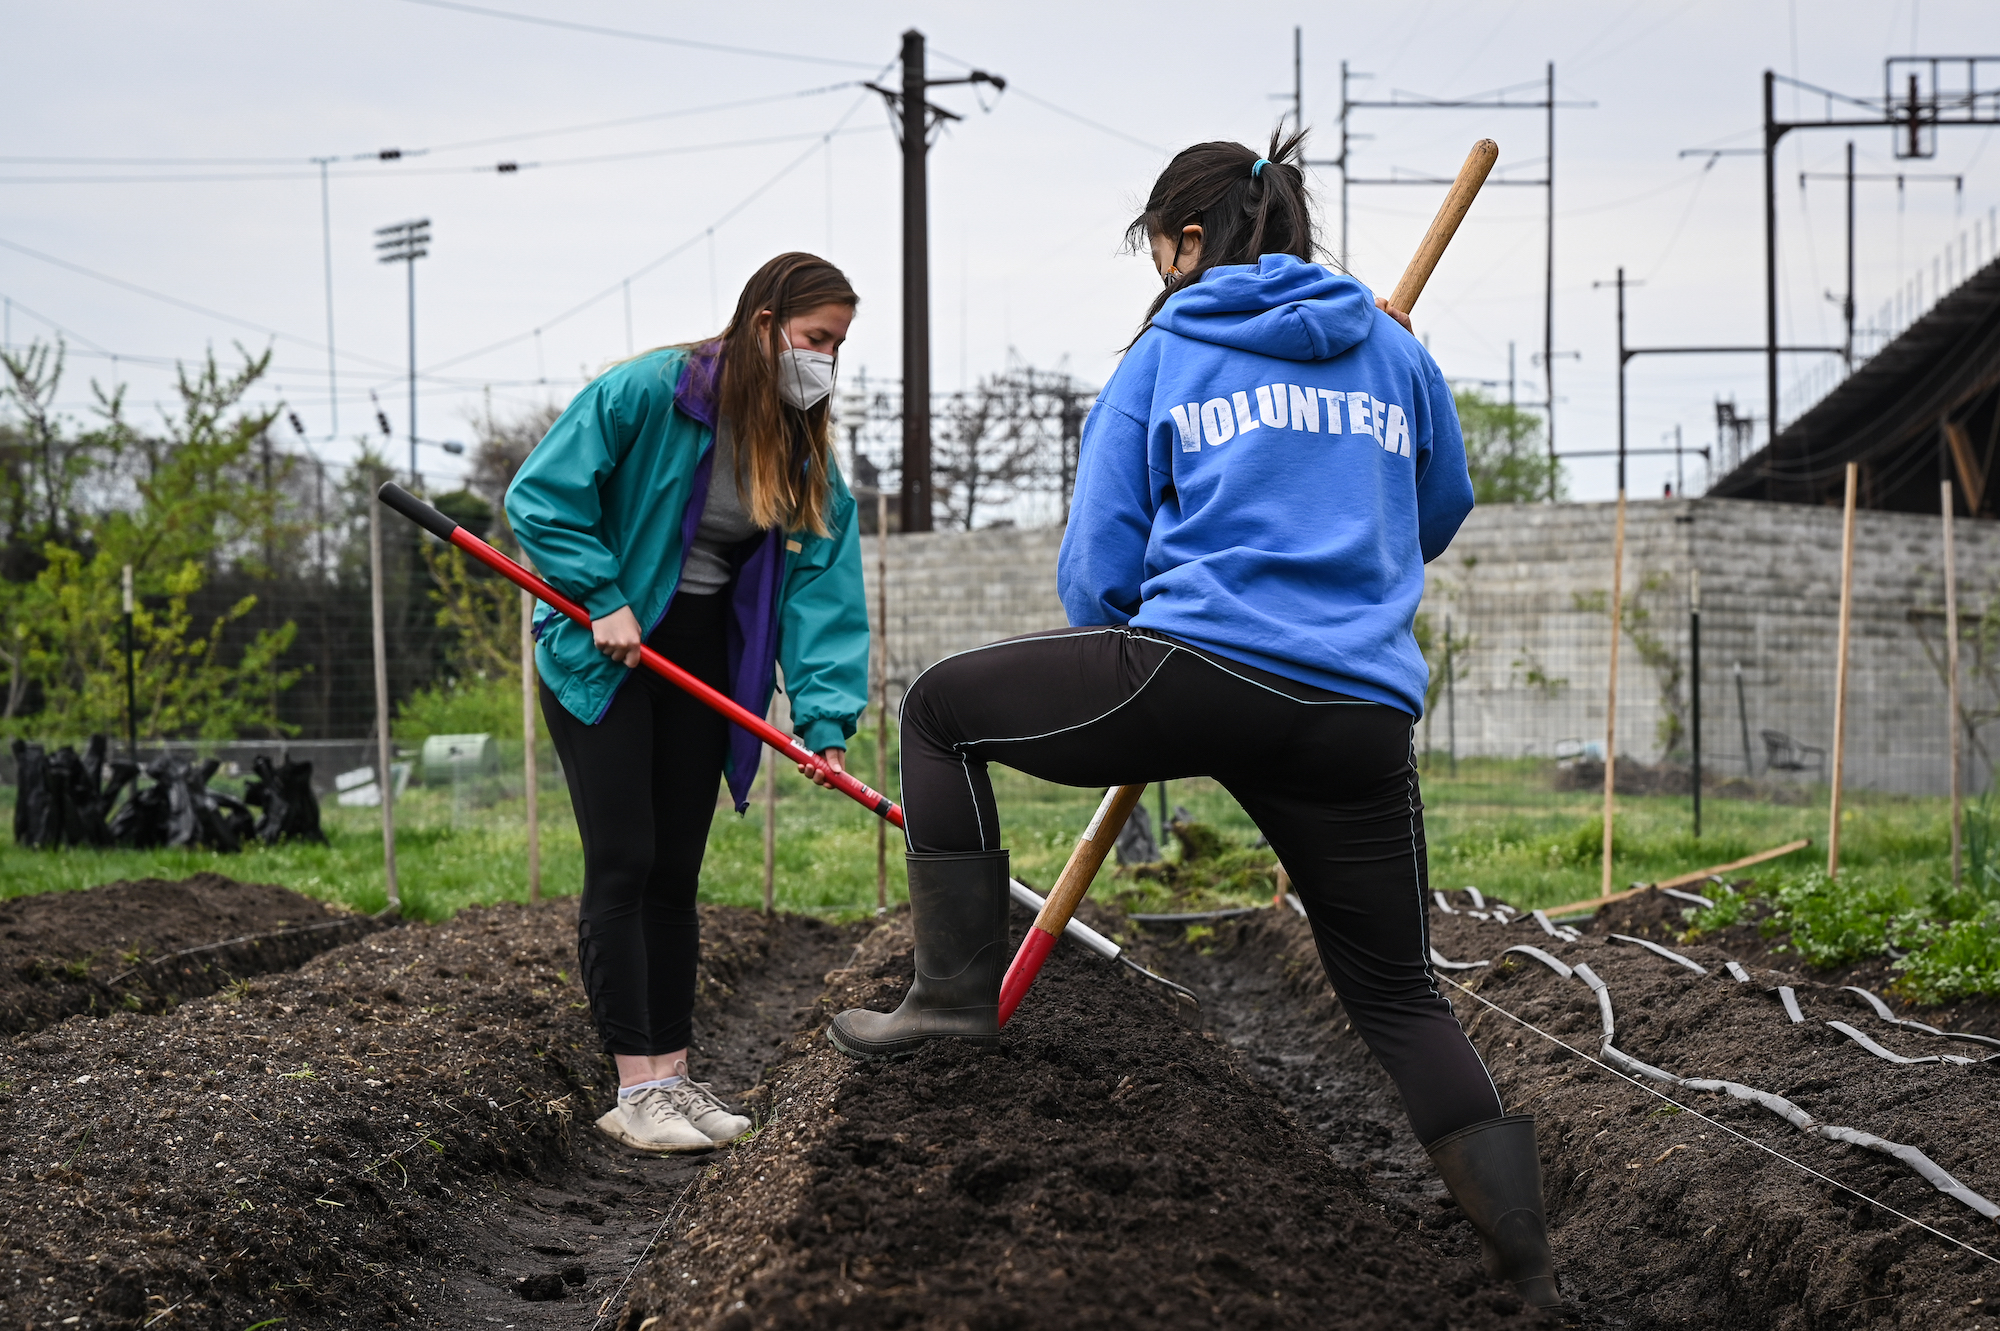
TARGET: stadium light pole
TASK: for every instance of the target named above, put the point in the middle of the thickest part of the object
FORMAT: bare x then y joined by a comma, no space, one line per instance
405,243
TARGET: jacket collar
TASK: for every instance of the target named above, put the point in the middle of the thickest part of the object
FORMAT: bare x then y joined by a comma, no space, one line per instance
701,383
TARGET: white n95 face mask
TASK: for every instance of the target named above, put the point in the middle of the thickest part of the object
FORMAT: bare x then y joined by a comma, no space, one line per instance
804,377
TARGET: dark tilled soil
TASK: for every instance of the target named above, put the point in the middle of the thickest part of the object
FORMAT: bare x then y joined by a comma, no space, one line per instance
397,1133
1659,1219
1106,1168
759,979
113,947
390,1135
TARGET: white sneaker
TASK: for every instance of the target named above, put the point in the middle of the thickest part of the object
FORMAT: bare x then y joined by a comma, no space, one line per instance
704,1108
653,1121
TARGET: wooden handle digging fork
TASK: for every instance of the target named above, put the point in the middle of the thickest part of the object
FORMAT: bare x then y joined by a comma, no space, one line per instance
1098,838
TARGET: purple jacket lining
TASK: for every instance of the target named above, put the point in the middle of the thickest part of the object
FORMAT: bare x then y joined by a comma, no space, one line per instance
754,592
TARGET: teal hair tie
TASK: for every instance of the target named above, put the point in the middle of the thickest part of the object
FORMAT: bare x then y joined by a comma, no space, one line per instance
1257,167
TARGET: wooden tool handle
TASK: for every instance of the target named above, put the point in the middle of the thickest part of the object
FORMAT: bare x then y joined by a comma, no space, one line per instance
1449,214
1084,862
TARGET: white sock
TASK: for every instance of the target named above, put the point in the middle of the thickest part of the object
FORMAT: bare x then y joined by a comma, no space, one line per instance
627,1092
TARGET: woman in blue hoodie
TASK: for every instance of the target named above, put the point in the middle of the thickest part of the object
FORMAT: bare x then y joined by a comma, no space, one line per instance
1259,488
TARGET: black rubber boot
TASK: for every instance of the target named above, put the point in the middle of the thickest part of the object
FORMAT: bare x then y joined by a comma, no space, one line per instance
1495,1174
958,908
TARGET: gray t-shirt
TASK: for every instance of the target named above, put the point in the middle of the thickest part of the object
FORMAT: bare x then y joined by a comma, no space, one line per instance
724,525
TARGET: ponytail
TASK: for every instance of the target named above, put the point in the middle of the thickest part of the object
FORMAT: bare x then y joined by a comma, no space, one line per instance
1246,206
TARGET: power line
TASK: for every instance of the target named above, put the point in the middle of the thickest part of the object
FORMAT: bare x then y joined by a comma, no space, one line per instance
189,305
396,154
688,42
502,168
693,240
1102,128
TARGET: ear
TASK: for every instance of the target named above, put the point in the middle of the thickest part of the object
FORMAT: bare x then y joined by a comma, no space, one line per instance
1190,248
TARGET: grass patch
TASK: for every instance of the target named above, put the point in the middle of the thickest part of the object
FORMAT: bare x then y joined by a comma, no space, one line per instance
1498,825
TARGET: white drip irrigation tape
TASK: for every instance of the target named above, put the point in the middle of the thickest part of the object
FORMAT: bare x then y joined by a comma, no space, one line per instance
1736,972
1720,1126
1791,1002
1659,951
1785,1109
1881,1010
1695,898
1890,1055
1437,960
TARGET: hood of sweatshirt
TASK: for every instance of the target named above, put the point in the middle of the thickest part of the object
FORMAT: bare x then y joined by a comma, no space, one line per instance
1279,306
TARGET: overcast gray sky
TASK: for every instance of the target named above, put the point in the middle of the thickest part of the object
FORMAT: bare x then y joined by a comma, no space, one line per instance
1028,204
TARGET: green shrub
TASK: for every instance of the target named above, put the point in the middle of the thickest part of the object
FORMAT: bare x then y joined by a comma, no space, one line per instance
1950,958
1727,910
461,707
1832,923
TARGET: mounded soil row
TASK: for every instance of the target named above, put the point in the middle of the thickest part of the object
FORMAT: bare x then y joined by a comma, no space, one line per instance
397,1133
394,1134
1106,1167
1658,1218
146,945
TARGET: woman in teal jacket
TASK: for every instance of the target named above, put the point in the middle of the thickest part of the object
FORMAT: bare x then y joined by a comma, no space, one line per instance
689,499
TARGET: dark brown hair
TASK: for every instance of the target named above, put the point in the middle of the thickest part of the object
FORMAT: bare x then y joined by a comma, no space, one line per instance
1242,216
784,456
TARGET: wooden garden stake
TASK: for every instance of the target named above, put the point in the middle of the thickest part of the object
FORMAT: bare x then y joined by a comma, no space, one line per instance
385,778
1611,692
1951,677
528,739
881,689
1840,670
771,826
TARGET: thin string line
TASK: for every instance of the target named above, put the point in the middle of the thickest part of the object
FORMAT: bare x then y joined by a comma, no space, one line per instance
1796,1164
672,1211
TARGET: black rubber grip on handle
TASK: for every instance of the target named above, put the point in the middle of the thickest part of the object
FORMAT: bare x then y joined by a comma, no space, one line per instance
416,510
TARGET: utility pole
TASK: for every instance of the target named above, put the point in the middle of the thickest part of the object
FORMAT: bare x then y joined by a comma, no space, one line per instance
1848,177
1491,101
326,247
1297,96
405,243
915,118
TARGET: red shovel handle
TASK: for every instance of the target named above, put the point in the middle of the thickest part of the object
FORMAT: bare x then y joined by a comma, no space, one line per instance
442,527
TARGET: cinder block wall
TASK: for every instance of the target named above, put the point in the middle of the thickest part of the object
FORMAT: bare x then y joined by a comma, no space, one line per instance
1526,588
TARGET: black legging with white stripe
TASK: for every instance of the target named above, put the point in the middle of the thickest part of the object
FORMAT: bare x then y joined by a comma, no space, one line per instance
1329,779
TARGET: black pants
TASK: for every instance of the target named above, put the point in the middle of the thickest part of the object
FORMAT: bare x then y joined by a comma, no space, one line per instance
1331,781
643,783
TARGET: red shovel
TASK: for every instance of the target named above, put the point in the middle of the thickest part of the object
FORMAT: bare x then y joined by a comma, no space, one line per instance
442,527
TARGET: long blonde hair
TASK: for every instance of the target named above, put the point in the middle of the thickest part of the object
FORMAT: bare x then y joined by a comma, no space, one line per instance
784,456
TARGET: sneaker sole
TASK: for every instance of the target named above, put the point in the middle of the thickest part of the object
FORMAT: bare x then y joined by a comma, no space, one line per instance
654,1148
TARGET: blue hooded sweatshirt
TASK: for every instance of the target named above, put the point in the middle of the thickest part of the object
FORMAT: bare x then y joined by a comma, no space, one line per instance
1265,477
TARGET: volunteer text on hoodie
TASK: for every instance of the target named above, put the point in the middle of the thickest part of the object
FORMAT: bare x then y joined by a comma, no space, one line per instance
1265,477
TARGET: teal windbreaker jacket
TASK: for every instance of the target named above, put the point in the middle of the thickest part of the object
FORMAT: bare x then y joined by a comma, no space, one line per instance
605,507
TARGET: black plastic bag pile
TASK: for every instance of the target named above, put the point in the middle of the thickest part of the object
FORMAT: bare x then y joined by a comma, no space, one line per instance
60,799
63,800
284,791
